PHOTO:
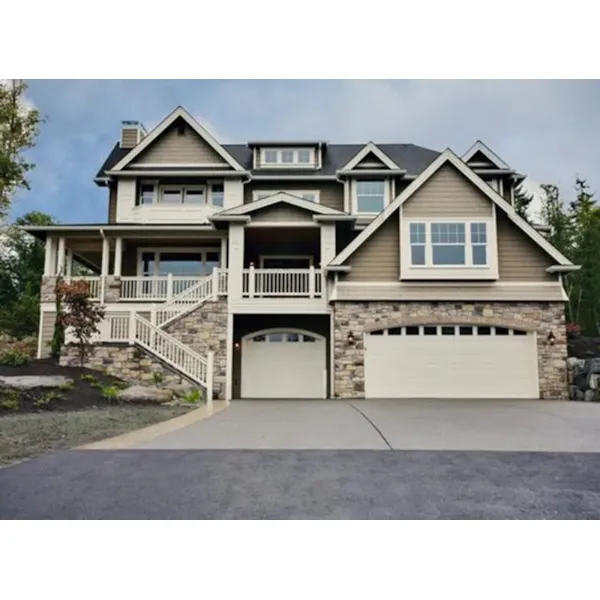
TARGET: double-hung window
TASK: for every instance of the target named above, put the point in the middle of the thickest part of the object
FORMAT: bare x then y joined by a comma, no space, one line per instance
182,195
457,248
286,157
370,196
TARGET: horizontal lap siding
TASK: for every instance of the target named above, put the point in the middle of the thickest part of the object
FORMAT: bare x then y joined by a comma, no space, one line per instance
112,204
171,148
448,194
282,213
519,257
378,259
331,194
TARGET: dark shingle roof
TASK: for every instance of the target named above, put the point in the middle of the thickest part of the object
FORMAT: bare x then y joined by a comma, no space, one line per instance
407,156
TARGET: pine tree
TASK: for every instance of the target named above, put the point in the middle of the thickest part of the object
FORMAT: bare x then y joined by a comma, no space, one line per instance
522,200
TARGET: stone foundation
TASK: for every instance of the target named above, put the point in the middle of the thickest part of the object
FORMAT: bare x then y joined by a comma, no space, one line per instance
127,362
205,330
359,317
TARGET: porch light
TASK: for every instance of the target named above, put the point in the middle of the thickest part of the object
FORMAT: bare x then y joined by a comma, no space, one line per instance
551,338
236,345
351,340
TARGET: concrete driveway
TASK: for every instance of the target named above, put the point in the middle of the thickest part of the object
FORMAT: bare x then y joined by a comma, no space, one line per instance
503,425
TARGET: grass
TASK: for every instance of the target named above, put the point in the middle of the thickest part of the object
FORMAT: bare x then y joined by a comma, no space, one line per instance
25,436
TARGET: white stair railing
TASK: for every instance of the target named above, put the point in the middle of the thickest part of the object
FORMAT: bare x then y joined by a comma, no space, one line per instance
173,352
195,295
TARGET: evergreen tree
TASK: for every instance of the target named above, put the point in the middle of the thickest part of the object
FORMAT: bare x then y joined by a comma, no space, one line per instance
522,201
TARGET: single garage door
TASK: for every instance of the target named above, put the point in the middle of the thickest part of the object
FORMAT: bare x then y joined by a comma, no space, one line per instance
283,364
451,361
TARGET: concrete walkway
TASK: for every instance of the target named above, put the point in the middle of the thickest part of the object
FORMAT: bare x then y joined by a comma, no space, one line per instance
503,425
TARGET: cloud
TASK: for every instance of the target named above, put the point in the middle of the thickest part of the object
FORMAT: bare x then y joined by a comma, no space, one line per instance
545,129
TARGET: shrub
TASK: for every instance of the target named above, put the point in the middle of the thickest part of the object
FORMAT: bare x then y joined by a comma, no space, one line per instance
58,336
193,397
158,377
43,401
110,393
9,399
68,386
88,377
13,358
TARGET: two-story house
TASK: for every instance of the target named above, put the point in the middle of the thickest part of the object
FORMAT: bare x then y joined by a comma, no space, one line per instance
307,269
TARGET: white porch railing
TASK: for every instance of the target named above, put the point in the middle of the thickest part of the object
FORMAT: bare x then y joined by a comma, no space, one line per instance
95,284
155,289
307,283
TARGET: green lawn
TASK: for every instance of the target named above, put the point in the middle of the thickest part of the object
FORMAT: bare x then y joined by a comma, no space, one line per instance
28,435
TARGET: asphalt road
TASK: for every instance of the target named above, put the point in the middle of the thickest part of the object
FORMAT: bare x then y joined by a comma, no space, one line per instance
291,484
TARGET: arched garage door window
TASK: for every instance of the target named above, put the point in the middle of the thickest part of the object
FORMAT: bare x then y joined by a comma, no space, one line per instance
283,337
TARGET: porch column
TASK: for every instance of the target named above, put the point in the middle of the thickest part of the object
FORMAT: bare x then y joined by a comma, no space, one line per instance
236,261
223,261
118,256
49,257
105,257
60,259
327,243
69,264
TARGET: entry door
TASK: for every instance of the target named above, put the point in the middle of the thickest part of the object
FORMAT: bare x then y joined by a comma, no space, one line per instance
451,361
284,364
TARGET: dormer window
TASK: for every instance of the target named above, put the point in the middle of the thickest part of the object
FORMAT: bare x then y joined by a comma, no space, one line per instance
286,157
370,197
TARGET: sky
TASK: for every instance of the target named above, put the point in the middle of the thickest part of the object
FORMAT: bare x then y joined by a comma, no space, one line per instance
548,130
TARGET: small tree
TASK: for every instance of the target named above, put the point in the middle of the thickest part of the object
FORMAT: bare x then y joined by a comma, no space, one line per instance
80,313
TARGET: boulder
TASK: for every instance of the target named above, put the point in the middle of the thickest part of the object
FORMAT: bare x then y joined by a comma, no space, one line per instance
591,396
593,381
180,389
30,382
592,365
142,393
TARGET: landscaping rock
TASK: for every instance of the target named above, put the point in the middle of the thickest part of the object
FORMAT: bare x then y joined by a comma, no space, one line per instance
591,396
140,393
180,389
30,382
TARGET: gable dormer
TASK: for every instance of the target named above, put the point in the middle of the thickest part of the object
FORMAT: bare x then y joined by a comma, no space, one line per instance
287,155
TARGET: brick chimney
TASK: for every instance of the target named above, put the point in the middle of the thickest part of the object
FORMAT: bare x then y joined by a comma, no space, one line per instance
132,133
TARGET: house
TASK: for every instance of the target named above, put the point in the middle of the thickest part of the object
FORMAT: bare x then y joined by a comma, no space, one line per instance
307,269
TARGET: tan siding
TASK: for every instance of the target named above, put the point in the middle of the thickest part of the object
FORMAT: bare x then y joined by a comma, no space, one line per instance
47,332
519,257
331,194
171,148
112,204
281,213
378,259
129,138
448,194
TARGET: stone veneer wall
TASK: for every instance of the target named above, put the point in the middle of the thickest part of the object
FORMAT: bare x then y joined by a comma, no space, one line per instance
204,330
127,362
358,317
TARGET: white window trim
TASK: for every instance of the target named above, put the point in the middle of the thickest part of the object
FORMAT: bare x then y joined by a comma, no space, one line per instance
280,164
284,257
160,187
168,249
182,189
431,271
354,196
265,193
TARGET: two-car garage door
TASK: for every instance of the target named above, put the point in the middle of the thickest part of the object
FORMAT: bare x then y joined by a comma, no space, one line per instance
451,361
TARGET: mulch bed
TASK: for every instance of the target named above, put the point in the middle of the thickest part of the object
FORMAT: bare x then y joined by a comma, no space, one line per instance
85,394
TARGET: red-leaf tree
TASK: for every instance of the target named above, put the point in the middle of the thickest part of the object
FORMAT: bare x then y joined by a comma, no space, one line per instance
80,313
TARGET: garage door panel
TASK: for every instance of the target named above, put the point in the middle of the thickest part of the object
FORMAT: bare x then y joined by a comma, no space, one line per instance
453,366
283,366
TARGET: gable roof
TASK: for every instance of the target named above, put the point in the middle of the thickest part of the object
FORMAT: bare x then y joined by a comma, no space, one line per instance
277,198
449,157
370,148
414,159
479,146
178,113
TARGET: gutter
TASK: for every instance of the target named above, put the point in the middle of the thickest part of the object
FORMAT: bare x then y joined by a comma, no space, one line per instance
194,173
333,218
338,269
370,172
314,177
563,268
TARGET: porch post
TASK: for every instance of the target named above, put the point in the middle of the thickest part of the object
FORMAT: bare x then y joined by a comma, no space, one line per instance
105,256
236,261
118,256
327,243
223,258
311,282
251,282
60,259
69,265
48,257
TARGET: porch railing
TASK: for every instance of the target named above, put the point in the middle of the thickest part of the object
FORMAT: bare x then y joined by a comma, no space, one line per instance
95,284
261,283
155,289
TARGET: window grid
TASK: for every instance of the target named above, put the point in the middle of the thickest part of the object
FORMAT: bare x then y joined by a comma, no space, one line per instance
370,196
448,244
445,330
288,156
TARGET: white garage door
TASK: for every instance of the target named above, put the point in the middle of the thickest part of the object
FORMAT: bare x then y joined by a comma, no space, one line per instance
451,361
283,364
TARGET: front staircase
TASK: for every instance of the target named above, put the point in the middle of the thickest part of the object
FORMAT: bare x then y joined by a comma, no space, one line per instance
150,335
